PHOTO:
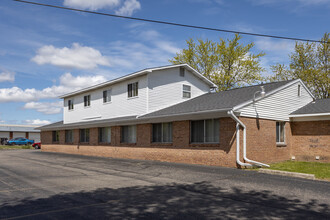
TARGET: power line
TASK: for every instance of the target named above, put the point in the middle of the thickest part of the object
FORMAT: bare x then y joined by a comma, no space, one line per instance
172,23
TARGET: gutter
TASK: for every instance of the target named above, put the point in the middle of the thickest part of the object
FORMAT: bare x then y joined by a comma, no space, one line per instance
238,124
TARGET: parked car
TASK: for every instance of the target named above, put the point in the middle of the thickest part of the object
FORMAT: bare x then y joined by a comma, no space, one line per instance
20,141
37,145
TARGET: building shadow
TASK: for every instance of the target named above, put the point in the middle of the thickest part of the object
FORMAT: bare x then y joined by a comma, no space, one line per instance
174,201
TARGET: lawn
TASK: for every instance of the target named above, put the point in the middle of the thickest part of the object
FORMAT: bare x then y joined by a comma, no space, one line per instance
320,170
8,147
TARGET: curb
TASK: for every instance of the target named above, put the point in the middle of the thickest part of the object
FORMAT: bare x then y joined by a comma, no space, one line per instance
286,173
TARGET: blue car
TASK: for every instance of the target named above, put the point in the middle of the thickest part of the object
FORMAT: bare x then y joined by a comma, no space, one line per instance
20,141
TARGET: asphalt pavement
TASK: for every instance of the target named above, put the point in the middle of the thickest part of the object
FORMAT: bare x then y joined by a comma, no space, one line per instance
41,185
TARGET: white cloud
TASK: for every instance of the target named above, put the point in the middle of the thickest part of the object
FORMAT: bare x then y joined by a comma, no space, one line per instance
77,56
7,76
68,83
92,4
277,46
128,8
36,122
47,108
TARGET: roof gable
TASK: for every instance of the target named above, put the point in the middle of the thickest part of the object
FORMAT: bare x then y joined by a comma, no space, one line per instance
225,100
140,73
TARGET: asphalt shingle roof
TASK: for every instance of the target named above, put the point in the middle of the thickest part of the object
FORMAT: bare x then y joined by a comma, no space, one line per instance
61,125
216,101
315,107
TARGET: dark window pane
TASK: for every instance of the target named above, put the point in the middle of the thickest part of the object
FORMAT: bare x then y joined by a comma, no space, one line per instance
157,132
197,131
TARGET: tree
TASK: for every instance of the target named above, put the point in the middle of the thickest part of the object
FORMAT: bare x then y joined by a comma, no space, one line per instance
311,63
228,64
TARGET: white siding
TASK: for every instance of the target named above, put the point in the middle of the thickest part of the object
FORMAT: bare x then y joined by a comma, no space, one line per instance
165,87
34,136
119,106
279,105
4,134
18,134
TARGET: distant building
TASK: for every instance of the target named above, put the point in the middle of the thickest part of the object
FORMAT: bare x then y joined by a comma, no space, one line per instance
8,132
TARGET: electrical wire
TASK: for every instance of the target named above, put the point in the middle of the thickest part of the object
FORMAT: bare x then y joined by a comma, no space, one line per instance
172,23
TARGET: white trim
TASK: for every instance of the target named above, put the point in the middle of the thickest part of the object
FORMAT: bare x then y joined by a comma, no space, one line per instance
136,74
235,108
309,115
188,113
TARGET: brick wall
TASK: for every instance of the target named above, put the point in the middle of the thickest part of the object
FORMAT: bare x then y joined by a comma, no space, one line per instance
261,141
261,144
311,139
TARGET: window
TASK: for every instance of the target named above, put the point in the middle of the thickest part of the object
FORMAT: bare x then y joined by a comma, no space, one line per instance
205,131
186,91
107,96
182,71
105,135
56,136
70,104
87,100
132,89
299,90
68,136
162,132
128,134
280,132
84,135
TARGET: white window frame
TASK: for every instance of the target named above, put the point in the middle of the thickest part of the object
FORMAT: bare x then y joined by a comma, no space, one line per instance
108,93
70,105
279,133
185,91
204,135
135,90
88,101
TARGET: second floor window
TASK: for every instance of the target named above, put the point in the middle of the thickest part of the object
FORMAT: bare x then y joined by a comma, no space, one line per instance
186,91
87,100
107,96
70,104
132,89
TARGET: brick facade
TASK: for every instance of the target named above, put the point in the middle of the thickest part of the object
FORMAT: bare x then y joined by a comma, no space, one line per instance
311,139
261,144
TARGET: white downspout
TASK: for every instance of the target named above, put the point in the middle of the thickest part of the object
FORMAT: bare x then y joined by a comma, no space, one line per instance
237,149
233,116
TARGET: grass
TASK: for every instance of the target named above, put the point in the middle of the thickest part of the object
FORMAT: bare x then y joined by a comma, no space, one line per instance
320,170
8,147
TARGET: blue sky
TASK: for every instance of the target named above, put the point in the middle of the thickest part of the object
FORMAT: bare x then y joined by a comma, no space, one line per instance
45,52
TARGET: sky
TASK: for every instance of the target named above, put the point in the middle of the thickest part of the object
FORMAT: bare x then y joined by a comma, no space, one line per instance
47,52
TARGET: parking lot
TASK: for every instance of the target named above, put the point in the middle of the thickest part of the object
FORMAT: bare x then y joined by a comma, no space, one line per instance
40,185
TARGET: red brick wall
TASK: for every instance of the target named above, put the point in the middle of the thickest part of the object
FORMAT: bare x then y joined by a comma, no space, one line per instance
261,141
261,144
311,139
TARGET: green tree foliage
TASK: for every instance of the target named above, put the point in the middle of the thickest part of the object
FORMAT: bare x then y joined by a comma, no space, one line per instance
228,64
311,63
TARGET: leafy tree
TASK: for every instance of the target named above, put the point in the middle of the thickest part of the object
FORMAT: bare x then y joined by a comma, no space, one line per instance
311,63
228,64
